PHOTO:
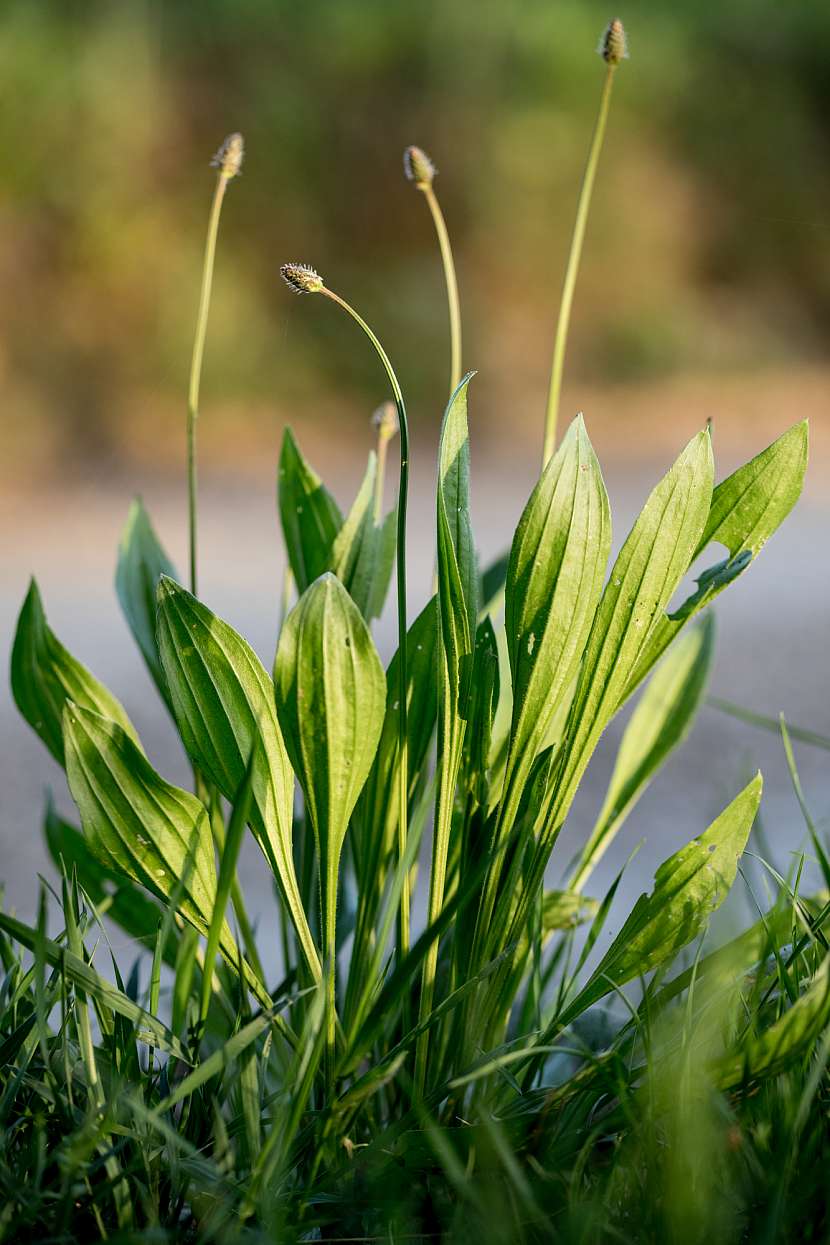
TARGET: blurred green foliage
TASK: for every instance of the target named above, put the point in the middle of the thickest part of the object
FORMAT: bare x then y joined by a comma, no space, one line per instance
709,243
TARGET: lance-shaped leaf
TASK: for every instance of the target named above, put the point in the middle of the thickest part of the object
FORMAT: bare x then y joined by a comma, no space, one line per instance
747,508
113,894
554,581
309,515
646,573
223,702
493,579
661,721
331,696
138,824
364,549
484,699
44,675
457,571
458,585
377,809
141,564
688,888
791,1038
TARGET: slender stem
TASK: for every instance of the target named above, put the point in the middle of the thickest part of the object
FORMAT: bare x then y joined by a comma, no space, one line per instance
561,339
452,284
196,365
403,756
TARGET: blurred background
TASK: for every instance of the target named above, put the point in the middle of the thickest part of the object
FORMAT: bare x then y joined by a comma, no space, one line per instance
704,292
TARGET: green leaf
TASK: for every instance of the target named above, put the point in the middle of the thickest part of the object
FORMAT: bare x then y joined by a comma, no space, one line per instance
644,577
331,697
148,1028
554,582
309,515
457,569
688,887
458,584
566,910
364,550
377,809
138,824
223,702
661,721
141,564
215,1063
484,699
44,675
227,873
747,508
493,579
114,896
790,1038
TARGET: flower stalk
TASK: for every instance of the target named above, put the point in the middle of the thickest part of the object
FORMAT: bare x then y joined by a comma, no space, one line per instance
420,170
613,50
305,280
228,162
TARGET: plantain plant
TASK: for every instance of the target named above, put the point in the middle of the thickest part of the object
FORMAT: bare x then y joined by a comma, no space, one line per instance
467,752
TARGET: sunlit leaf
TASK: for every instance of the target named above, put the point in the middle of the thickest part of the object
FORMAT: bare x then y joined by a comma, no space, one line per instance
136,822
787,1040
662,719
554,581
331,697
688,888
747,508
223,702
643,579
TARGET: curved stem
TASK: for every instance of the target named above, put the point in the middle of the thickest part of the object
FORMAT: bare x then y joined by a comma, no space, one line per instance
403,766
452,284
560,341
196,365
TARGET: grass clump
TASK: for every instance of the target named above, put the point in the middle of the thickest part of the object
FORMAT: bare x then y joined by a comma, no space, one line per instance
489,1076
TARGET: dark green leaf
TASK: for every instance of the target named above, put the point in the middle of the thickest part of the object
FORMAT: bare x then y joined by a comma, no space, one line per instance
309,515
364,549
44,675
114,896
141,564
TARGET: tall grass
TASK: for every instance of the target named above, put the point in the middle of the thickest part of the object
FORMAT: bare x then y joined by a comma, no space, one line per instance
491,1075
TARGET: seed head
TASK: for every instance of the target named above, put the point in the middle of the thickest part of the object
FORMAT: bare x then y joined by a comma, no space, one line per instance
418,167
230,155
301,278
385,419
613,46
